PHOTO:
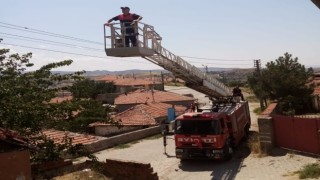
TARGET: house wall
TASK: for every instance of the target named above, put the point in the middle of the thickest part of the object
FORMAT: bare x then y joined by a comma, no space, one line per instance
107,98
316,102
15,165
112,130
123,89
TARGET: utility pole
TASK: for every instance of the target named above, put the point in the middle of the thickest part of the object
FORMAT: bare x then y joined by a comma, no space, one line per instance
257,65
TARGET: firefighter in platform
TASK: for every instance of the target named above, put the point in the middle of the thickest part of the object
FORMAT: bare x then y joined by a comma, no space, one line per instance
237,92
127,21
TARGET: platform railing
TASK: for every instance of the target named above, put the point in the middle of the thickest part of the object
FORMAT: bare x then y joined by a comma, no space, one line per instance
148,38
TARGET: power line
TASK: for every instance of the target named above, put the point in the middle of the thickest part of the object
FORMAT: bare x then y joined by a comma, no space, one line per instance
36,31
217,59
48,41
217,63
26,29
100,57
86,55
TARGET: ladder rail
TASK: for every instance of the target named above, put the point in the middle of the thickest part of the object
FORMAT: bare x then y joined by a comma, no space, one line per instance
148,38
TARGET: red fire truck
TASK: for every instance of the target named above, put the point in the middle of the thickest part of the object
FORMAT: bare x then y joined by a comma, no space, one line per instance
212,133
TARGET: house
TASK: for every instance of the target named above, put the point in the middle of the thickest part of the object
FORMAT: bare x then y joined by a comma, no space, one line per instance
136,117
127,84
316,99
14,156
128,100
316,93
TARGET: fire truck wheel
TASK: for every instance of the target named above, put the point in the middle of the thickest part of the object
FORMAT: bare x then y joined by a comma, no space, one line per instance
246,132
228,151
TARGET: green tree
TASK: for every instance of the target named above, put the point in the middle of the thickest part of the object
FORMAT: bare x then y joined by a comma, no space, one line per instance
25,96
284,80
90,89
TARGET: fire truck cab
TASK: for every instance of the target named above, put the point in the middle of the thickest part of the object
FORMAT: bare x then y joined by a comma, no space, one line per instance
212,133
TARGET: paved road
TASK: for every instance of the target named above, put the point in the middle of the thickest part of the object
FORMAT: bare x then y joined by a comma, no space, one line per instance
243,166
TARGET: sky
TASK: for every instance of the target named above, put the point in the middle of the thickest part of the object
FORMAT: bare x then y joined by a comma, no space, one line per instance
229,34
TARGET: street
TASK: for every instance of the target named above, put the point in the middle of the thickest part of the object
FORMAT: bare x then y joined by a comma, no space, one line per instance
244,165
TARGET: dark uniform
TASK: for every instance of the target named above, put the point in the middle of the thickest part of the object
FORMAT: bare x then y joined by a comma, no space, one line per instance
127,28
237,92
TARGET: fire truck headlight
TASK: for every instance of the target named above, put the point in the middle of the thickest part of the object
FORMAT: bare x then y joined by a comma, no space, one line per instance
179,150
217,151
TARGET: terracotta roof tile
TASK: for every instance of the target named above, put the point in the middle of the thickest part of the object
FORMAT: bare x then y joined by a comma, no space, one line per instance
143,96
13,137
143,114
269,109
58,136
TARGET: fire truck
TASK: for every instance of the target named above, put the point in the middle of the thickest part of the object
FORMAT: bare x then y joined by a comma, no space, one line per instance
205,132
214,132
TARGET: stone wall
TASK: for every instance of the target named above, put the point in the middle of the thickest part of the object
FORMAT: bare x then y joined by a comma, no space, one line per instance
130,170
265,123
114,169
123,138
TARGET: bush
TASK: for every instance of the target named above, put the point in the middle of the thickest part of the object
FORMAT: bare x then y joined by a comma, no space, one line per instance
310,171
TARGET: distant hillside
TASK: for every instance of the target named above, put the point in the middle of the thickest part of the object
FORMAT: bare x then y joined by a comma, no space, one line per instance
136,71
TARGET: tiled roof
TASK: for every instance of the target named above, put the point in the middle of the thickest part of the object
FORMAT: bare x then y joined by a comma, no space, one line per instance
121,81
143,114
13,137
269,109
60,99
143,96
58,136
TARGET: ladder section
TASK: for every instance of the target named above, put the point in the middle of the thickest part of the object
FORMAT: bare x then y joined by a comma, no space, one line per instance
149,47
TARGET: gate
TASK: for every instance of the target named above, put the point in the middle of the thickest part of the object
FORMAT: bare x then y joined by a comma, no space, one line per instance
296,133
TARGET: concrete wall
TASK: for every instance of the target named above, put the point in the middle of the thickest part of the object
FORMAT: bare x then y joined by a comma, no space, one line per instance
265,123
105,143
15,165
112,130
316,102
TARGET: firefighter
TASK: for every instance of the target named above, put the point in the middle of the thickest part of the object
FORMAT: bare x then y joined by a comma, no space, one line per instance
127,21
237,92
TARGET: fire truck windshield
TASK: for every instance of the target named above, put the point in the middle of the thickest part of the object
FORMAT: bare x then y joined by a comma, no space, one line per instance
198,127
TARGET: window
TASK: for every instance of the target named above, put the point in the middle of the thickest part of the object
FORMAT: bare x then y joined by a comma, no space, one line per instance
212,127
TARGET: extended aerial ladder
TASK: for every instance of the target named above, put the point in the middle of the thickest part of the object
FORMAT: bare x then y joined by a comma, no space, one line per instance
149,47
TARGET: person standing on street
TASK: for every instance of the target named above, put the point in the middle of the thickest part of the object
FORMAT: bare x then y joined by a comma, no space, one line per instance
127,21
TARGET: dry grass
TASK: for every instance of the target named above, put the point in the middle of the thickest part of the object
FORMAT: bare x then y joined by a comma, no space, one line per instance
291,154
309,171
254,145
86,174
252,98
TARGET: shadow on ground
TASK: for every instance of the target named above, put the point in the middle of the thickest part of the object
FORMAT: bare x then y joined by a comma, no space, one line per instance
220,169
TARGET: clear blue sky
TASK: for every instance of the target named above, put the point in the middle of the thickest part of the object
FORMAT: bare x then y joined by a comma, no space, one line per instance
235,30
